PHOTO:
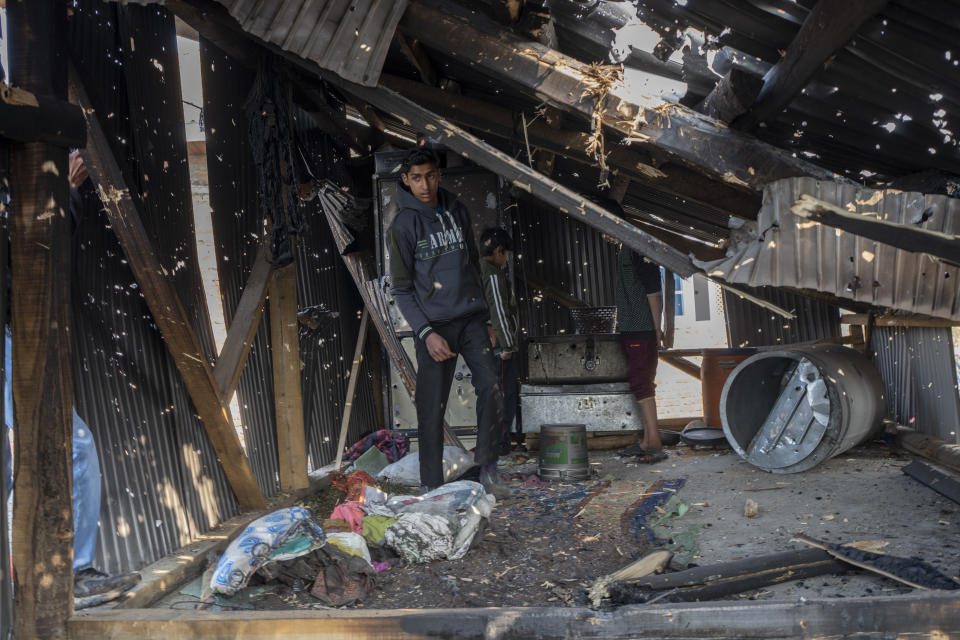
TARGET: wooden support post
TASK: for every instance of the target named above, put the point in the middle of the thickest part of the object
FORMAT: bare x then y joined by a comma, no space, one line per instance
681,363
165,306
352,387
243,327
287,392
42,382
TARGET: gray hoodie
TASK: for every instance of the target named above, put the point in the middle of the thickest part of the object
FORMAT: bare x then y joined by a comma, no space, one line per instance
434,264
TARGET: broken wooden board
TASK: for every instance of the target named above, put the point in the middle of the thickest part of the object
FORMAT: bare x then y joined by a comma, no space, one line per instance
915,573
726,579
936,480
909,237
653,562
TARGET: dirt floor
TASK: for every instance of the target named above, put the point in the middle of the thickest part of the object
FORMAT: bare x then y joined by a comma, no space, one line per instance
548,544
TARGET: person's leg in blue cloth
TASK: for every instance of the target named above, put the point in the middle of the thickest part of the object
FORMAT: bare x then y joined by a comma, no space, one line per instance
91,586
86,495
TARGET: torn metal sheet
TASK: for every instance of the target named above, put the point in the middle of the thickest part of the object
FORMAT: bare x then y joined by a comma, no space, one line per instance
350,38
781,249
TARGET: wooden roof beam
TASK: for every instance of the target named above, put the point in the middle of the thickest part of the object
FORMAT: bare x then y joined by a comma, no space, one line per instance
522,176
827,28
564,82
495,120
413,51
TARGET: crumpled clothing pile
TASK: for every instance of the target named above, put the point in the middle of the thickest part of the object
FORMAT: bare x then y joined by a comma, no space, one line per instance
440,524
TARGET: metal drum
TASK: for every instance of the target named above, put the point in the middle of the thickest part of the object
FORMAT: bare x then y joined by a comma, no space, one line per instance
789,410
563,452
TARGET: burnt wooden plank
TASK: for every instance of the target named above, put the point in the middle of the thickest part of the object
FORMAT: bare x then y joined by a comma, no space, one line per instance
827,28
902,236
165,307
927,615
484,116
25,117
564,82
936,480
732,95
243,327
287,391
42,383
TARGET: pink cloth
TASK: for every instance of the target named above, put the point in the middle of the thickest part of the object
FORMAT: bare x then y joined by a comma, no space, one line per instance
380,566
351,513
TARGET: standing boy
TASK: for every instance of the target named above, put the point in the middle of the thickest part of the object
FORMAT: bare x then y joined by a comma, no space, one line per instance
495,249
639,308
435,276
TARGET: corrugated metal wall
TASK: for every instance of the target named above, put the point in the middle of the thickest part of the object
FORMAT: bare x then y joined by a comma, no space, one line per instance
236,229
567,256
162,482
919,373
322,278
750,325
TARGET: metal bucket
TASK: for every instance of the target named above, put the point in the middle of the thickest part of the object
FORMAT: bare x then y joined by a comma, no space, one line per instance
563,452
789,410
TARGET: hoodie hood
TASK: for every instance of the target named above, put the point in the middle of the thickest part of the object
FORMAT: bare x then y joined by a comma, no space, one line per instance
408,201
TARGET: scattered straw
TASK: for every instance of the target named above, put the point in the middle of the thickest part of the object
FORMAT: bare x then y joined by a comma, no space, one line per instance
599,79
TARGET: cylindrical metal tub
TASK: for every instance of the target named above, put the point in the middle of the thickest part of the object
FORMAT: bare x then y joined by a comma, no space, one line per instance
789,410
563,452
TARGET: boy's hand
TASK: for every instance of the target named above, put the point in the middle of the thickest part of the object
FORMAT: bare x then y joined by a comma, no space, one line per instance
438,348
493,336
77,170
506,355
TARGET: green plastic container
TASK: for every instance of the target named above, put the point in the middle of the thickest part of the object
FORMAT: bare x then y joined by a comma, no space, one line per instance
563,452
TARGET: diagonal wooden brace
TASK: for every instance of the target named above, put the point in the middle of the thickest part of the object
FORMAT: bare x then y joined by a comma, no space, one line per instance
165,306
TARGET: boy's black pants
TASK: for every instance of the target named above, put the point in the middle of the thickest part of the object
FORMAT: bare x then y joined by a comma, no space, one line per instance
467,337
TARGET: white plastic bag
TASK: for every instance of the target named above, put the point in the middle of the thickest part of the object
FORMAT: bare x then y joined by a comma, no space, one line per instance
406,471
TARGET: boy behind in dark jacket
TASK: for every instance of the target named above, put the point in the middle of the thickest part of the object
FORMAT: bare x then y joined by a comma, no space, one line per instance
495,248
434,270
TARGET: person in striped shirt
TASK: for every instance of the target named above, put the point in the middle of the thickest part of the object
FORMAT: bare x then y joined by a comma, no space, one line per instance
495,250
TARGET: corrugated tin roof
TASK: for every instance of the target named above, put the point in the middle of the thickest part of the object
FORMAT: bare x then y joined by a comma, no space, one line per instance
348,37
782,249
750,325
